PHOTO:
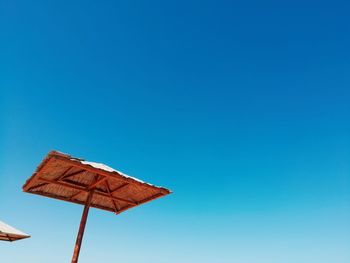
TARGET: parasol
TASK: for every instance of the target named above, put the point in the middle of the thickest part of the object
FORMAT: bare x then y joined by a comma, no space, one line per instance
91,184
9,233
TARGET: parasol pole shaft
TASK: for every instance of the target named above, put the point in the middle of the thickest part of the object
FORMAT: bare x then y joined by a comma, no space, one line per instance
82,227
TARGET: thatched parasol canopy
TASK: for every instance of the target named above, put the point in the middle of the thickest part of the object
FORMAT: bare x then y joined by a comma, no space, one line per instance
9,233
70,179
90,184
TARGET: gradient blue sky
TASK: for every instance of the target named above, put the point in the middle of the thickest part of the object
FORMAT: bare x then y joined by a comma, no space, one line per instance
240,107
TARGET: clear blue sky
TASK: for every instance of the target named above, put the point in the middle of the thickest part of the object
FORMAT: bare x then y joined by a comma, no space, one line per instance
242,108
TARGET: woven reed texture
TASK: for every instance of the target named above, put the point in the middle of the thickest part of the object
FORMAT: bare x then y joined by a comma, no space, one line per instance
67,178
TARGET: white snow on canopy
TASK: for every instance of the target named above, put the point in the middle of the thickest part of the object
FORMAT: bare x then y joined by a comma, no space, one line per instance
110,169
6,229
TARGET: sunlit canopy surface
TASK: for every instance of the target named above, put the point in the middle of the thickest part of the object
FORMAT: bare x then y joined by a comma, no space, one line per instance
9,233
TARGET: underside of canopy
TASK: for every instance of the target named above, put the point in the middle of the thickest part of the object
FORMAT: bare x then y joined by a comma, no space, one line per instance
9,233
71,179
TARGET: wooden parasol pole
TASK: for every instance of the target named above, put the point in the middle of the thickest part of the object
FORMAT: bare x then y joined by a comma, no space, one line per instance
82,227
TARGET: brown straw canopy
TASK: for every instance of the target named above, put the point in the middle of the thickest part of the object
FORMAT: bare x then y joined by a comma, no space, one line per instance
90,184
9,233
71,179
